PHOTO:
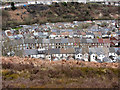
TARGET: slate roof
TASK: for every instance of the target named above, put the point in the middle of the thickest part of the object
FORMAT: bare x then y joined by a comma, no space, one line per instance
39,40
30,52
65,33
71,40
77,40
53,51
106,59
89,41
97,50
46,41
70,50
117,50
57,40
78,50
52,40
30,41
63,51
9,43
111,50
88,33
20,41
95,40
83,40
16,42
64,40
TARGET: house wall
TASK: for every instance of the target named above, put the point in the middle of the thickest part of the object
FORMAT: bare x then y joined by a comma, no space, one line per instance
93,57
101,57
48,57
78,56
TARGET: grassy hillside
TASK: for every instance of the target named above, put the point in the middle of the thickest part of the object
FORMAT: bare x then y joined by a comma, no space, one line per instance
58,12
35,73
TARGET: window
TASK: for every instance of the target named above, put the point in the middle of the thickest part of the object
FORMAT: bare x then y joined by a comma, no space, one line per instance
71,43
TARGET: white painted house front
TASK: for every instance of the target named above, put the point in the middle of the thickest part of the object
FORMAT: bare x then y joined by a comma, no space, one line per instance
93,57
78,56
48,57
100,57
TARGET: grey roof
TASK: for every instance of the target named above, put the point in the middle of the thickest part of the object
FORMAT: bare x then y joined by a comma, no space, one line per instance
111,50
40,34
63,51
75,33
78,50
69,46
85,49
71,40
67,51
97,50
83,40
43,52
46,41
39,40
52,40
64,40
20,41
53,51
30,52
16,42
106,59
57,40
30,41
95,40
71,50
88,33
89,41
27,35
77,40
9,43
118,51
12,42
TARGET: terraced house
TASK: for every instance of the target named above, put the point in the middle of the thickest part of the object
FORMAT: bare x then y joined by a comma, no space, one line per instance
57,44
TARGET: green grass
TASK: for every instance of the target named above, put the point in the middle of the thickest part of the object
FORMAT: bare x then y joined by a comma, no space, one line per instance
17,28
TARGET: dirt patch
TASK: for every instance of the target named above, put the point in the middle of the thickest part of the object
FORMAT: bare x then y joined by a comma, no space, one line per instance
18,14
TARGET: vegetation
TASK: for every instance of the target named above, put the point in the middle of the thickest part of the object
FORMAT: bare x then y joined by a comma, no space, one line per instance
13,6
58,76
59,12
17,28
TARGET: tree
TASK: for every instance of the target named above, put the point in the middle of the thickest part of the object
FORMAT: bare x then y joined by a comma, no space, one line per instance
13,6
